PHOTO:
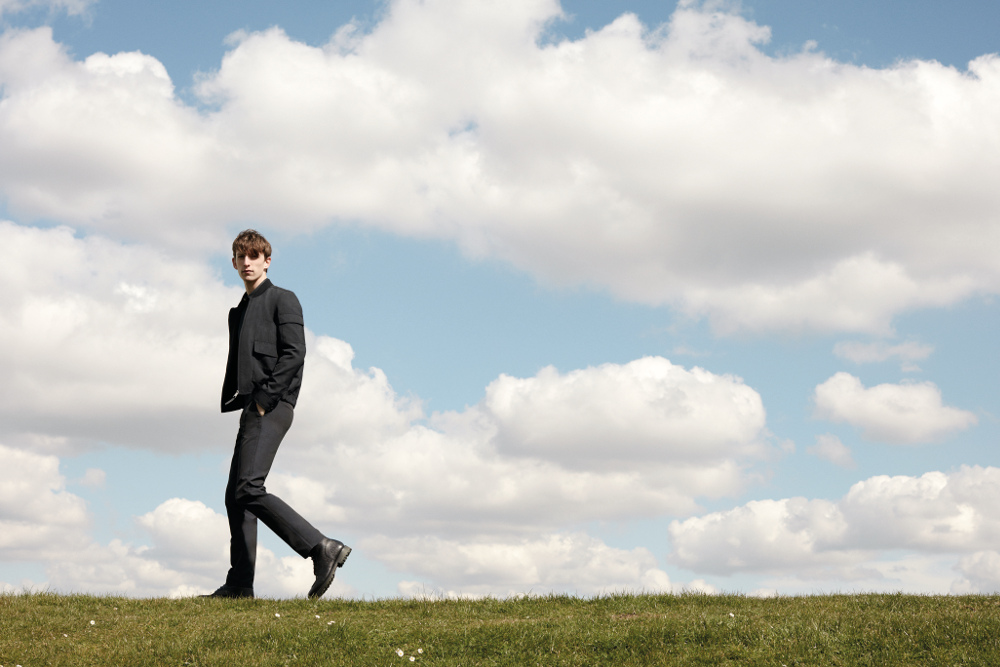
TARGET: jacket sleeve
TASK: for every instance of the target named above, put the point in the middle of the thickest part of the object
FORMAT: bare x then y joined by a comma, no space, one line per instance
291,348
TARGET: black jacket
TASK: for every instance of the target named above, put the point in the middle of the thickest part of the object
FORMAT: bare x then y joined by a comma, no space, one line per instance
270,350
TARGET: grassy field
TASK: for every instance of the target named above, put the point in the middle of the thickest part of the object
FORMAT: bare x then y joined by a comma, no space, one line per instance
875,629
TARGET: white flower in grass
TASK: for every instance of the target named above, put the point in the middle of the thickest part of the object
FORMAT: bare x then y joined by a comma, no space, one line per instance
331,622
420,650
399,652
317,615
277,615
93,623
412,658
732,615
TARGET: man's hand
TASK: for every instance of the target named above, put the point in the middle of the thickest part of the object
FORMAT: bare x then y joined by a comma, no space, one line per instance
260,410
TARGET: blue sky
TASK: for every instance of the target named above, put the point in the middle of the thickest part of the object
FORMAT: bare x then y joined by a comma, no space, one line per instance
801,221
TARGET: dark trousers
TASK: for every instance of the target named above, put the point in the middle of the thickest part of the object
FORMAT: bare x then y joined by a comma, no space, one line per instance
247,500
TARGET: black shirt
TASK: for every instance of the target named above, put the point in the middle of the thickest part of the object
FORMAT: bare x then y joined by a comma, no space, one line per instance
234,345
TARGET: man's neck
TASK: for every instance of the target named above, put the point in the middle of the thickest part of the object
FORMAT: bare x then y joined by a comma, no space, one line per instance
254,285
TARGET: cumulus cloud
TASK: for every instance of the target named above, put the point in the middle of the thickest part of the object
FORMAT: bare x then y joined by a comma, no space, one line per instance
41,522
38,517
849,540
117,343
896,413
192,542
685,434
829,448
456,501
567,562
642,411
981,573
189,555
105,342
675,165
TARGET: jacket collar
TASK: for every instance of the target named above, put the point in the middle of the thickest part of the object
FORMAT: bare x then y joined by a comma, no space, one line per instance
263,287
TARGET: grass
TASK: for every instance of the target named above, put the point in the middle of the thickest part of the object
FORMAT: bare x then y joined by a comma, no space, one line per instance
871,629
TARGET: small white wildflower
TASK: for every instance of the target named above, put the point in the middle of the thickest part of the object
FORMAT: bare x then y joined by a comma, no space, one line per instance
317,615
277,615
420,650
412,659
64,635
399,652
732,615
93,623
331,622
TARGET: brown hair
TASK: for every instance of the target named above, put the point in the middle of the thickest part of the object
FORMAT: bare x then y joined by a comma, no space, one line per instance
251,243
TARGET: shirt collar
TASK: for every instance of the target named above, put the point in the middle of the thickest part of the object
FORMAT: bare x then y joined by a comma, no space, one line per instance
260,288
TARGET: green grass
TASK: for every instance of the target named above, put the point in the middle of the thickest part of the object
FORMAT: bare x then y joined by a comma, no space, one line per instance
873,629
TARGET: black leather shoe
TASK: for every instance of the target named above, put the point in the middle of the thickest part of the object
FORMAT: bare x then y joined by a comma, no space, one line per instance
327,556
227,591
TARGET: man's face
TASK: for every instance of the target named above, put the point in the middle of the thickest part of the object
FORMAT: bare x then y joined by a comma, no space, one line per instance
251,269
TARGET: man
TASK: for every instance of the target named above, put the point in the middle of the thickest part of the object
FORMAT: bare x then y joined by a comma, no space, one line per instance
267,350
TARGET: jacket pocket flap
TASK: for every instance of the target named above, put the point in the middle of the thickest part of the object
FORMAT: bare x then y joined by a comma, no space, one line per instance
265,348
290,318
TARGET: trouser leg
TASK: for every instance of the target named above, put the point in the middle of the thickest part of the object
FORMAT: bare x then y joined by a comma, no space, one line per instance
248,500
242,537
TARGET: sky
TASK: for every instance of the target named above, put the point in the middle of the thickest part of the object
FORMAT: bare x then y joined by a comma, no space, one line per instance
599,296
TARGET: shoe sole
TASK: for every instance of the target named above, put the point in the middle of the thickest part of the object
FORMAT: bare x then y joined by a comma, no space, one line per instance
223,597
345,551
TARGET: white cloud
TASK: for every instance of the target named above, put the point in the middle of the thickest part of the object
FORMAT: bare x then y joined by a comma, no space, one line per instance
866,353
981,572
763,535
38,517
933,512
71,7
937,517
645,411
896,413
692,432
94,478
840,298
567,562
679,165
188,535
829,448
108,342
189,555
41,522
887,573
456,502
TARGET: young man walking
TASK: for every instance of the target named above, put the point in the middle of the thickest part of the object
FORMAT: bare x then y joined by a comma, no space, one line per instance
267,350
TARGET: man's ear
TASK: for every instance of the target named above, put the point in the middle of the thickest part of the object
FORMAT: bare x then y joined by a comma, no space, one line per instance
267,263
234,263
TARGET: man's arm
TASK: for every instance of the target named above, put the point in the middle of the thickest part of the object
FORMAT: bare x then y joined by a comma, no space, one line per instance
291,347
